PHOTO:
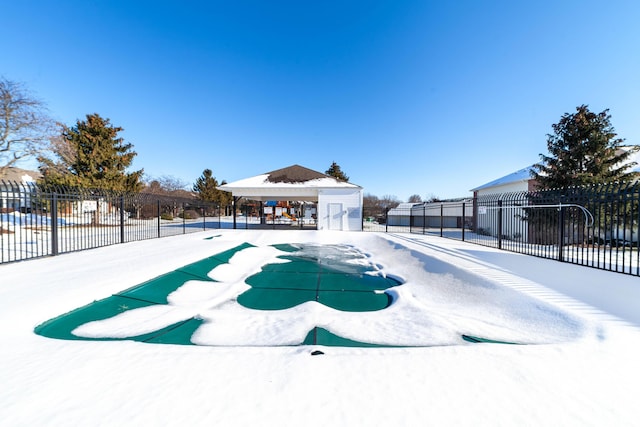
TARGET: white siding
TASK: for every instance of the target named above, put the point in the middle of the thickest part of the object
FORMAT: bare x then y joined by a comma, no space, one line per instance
513,227
350,217
510,187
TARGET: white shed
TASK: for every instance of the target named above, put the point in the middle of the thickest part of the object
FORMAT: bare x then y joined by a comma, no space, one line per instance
339,203
519,180
486,218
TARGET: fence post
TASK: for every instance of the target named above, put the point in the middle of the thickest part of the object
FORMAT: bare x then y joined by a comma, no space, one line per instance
560,232
499,224
235,200
158,218
184,220
54,224
204,219
464,218
441,219
121,219
386,219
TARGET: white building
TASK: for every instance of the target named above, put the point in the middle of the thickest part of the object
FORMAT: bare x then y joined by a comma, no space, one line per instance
16,186
400,215
338,204
486,214
519,180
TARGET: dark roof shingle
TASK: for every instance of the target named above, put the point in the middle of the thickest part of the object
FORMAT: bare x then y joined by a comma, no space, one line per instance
294,174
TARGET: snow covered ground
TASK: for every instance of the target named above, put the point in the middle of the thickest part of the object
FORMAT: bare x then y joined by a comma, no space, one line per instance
579,367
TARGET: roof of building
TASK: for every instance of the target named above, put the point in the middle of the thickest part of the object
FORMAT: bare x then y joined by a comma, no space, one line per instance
403,209
19,175
522,175
291,183
294,174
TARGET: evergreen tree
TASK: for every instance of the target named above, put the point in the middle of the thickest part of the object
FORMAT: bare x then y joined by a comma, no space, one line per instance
335,171
91,155
226,198
206,187
583,150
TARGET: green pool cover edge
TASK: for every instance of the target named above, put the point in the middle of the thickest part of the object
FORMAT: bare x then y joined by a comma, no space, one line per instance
155,291
480,340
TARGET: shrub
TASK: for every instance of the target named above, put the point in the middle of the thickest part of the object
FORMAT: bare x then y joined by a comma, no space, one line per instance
190,214
166,216
484,232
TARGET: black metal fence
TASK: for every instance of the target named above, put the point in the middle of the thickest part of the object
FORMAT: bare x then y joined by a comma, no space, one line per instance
595,226
38,221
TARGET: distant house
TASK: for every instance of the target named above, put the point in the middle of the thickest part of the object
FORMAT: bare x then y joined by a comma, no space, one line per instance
401,214
447,214
450,214
15,185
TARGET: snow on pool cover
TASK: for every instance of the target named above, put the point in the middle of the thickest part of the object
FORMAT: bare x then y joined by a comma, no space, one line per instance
302,294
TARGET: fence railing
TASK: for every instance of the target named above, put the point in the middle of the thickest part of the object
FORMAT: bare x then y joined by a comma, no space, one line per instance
595,226
37,221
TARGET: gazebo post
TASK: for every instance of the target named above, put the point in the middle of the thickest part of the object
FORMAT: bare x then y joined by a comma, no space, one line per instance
261,213
235,200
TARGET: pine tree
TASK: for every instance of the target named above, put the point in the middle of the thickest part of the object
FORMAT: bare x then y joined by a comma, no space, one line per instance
583,150
91,155
206,187
335,171
225,197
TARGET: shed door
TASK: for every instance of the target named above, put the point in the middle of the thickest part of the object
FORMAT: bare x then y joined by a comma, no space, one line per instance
335,216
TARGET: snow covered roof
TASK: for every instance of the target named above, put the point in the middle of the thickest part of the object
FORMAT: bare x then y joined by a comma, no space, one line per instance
291,183
19,175
403,209
522,175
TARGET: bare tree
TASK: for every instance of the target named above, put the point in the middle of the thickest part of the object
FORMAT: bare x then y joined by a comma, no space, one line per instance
166,185
61,147
25,126
432,198
389,201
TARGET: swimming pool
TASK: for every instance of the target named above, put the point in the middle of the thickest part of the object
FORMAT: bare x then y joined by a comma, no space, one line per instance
292,294
288,278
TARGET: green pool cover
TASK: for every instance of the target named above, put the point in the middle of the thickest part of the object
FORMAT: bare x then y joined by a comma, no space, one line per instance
320,273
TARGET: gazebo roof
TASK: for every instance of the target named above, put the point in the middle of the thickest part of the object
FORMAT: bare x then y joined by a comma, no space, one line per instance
291,183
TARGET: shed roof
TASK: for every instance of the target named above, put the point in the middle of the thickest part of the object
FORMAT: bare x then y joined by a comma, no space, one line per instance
291,183
522,175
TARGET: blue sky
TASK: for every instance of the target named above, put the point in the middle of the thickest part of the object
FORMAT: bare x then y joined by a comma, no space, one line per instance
408,97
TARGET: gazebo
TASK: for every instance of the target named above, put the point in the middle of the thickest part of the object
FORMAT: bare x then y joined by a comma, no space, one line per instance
338,203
